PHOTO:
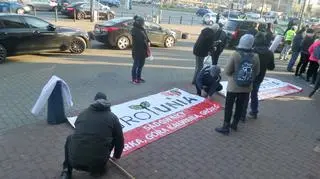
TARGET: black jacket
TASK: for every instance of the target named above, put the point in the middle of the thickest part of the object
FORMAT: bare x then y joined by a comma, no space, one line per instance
139,42
204,43
269,37
212,83
97,132
222,36
296,45
306,43
266,59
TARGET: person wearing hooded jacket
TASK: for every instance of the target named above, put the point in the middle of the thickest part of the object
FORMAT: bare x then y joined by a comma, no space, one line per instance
296,48
203,46
313,63
208,81
235,93
140,49
97,132
304,55
221,38
266,59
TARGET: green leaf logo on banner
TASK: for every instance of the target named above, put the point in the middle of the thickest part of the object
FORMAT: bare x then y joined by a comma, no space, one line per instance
135,107
145,104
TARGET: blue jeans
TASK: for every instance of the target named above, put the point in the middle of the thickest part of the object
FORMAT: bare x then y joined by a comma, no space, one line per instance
292,61
137,68
254,98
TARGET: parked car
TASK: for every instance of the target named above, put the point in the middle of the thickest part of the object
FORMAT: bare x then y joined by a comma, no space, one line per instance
82,11
252,15
210,18
41,5
65,3
110,3
233,14
235,28
202,11
116,33
13,7
23,34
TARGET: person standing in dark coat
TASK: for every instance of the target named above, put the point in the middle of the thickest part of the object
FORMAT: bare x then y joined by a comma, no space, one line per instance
97,132
269,34
296,48
140,48
208,81
221,37
304,55
203,46
266,59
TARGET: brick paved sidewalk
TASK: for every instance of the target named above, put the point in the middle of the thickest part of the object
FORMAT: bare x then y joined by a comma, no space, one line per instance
278,145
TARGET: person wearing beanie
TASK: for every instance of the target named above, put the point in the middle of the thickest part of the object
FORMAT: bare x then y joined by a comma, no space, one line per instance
203,46
243,64
221,39
266,61
208,81
296,48
304,54
97,132
140,49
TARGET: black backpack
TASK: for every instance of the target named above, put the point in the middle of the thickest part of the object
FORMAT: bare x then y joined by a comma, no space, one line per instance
244,74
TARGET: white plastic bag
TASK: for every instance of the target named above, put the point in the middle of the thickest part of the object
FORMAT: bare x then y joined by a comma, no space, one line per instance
207,61
150,58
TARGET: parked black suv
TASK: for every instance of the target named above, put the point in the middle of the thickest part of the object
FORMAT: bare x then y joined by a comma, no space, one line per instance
235,28
22,34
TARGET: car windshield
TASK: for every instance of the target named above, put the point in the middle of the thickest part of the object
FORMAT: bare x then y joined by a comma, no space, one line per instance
231,25
116,21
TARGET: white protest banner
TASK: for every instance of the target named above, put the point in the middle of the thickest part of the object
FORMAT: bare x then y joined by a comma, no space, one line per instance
150,118
269,88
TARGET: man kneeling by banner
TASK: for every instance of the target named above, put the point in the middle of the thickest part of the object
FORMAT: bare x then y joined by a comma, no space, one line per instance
208,81
97,132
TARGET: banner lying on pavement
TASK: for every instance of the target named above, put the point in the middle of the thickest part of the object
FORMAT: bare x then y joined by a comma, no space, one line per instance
270,88
150,118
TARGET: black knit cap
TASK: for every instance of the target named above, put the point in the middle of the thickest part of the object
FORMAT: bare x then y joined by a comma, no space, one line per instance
100,95
260,39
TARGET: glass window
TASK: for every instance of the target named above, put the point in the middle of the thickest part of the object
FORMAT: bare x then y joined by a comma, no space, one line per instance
231,25
36,23
12,22
154,26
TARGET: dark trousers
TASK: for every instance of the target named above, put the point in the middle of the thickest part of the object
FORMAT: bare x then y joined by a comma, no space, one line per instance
215,57
240,99
137,68
303,63
312,71
254,104
67,165
199,66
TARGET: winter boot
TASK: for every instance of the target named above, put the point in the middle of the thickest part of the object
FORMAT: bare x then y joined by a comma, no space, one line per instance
225,129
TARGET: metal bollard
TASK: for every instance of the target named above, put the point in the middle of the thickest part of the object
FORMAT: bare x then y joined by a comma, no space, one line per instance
121,14
35,11
180,19
56,14
169,20
192,20
74,15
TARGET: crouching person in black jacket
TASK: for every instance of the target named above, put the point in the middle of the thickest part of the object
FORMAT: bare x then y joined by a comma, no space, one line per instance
208,81
97,132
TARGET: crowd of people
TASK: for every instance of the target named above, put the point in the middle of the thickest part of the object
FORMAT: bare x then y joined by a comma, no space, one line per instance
247,66
99,131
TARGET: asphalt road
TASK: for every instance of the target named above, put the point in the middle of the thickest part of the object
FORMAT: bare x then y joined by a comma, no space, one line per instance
173,17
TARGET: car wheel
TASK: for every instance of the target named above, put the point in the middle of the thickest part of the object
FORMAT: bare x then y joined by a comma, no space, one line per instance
80,15
123,42
77,45
169,42
20,11
3,54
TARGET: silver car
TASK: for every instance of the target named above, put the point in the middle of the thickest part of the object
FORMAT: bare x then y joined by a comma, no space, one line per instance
210,18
